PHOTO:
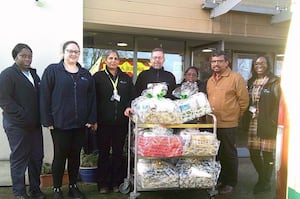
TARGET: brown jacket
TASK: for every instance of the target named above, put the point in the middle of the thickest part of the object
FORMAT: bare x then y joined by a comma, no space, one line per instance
228,98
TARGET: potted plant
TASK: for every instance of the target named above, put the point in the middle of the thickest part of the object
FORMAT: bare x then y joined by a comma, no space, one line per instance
46,179
88,166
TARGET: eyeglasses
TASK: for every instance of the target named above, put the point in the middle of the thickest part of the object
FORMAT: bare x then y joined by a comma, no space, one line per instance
25,56
260,63
76,52
217,61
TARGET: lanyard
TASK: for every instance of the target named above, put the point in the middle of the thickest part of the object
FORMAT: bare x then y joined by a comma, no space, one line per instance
114,83
257,91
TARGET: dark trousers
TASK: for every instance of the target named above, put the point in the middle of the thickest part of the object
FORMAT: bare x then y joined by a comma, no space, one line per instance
67,146
27,151
111,138
227,155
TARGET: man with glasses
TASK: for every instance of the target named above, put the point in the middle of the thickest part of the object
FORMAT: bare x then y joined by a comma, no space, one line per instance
228,97
156,74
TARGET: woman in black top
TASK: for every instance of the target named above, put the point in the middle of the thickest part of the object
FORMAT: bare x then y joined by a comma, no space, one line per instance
264,95
19,100
114,91
68,106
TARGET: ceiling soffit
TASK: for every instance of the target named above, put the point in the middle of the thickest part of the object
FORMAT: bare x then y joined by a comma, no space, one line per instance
217,8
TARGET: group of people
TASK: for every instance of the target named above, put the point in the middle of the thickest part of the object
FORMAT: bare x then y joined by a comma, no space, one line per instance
68,100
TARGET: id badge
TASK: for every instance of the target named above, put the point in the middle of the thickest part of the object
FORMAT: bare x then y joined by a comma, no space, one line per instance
115,96
252,109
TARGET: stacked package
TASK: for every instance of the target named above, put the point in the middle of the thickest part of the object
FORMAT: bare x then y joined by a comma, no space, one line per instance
195,173
191,103
193,107
196,143
156,174
159,146
184,173
153,108
159,142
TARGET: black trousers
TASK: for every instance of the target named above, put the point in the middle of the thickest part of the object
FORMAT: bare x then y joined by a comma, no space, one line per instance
67,146
111,140
227,155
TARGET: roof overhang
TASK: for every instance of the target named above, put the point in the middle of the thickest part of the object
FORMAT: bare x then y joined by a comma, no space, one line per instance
218,9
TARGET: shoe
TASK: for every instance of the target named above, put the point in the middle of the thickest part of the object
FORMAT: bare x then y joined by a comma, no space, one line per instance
37,195
103,190
116,189
74,192
219,185
260,188
23,196
57,193
226,189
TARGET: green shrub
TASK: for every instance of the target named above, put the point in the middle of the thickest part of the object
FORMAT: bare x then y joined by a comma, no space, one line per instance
88,160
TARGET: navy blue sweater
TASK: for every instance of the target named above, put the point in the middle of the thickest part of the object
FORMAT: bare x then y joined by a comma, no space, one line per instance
19,99
67,100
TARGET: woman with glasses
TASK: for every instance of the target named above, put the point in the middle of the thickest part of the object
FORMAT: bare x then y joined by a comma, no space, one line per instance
264,94
19,100
68,106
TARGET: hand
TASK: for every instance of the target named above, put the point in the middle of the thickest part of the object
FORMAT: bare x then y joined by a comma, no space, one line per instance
128,112
92,126
50,127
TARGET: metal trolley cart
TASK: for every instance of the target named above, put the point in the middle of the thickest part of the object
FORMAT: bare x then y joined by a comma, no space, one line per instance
130,183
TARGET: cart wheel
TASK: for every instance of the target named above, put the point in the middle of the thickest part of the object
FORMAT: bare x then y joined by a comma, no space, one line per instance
134,195
125,187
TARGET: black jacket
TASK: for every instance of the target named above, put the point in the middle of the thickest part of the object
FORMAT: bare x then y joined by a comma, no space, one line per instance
67,100
19,99
155,76
111,112
268,107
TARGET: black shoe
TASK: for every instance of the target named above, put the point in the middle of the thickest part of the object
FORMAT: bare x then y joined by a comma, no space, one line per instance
57,194
23,196
219,185
74,192
37,195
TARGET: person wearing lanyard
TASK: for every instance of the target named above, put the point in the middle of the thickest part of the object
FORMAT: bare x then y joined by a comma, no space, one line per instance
264,91
114,92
